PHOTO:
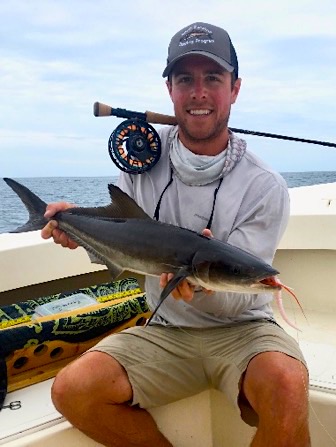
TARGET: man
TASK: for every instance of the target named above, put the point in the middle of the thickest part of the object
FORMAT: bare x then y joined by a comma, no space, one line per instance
207,181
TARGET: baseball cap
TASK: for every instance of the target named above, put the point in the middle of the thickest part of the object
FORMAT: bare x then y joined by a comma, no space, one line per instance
203,39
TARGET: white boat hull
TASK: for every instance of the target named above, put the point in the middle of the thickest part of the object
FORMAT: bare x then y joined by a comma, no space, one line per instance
306,259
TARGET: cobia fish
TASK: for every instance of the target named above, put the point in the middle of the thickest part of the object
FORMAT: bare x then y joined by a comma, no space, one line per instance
123,237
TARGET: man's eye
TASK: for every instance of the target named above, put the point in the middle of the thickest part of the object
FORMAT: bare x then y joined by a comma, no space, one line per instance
183,79
213,78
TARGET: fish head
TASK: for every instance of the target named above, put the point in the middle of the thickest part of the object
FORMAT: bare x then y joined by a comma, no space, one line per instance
228,268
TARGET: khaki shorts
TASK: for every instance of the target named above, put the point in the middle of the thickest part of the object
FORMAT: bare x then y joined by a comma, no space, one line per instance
165,364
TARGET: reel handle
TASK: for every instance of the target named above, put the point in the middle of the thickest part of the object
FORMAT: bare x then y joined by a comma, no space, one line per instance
100,109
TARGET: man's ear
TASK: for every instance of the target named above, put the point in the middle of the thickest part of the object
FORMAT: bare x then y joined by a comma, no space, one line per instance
235,90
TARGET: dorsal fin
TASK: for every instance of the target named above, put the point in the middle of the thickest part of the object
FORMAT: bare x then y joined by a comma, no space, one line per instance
121,206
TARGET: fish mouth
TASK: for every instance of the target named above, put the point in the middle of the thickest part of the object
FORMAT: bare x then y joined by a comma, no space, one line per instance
271,282
268,283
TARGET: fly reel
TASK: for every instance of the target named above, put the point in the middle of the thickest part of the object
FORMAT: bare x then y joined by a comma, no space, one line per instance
134,146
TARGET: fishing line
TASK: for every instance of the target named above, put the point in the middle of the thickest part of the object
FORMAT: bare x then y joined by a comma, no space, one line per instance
324,428
135,147
302,368
320,422
293,309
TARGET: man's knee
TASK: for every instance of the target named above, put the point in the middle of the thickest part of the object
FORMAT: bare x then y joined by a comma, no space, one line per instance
93,378
276,380
289,392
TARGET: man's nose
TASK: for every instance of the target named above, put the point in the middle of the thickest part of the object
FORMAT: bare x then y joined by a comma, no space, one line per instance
199,90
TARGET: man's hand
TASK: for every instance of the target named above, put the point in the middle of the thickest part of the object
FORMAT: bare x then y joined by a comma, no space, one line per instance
185,290
51,230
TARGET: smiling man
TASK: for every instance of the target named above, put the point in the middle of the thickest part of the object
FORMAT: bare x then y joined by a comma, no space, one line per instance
202,86
206,180
202,93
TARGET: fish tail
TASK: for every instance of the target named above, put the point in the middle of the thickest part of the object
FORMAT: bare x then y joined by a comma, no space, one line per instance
34,205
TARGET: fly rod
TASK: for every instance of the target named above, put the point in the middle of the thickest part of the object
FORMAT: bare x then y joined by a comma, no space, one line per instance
100,109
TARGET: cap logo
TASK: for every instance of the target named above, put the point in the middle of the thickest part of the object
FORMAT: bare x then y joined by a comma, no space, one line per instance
196,35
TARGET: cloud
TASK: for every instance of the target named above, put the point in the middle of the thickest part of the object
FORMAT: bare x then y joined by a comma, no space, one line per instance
59,57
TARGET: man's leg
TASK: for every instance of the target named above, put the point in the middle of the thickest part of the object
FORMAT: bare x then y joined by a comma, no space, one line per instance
276,386
93,394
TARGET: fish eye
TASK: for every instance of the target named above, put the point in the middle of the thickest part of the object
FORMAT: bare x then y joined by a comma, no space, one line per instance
235,270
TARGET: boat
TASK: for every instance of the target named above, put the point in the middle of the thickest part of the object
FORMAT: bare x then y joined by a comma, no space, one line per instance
31,267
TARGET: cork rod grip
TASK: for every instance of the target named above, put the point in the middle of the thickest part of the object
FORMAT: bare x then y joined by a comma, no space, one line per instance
159,118
100,109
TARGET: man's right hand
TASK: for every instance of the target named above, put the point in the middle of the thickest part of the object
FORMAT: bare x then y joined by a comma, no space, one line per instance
51,229
185,290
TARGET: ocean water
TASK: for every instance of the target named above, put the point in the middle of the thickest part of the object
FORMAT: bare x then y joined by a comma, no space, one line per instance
92,191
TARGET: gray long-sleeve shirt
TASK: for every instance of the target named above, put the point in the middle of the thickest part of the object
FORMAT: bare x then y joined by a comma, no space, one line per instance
251,212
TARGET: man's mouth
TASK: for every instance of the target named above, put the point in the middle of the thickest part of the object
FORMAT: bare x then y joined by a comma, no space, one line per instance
199,112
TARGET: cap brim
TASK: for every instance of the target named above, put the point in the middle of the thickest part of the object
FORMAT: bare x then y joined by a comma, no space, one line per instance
211,56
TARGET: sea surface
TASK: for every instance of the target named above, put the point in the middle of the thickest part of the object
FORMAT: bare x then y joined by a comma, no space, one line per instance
92,191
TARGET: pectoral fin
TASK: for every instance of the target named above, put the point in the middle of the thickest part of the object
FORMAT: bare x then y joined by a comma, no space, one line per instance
114,270
171,285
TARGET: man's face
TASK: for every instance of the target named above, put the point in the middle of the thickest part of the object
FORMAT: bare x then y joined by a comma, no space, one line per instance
202,94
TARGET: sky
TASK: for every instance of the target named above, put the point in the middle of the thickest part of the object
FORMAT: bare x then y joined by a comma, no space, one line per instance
59,57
